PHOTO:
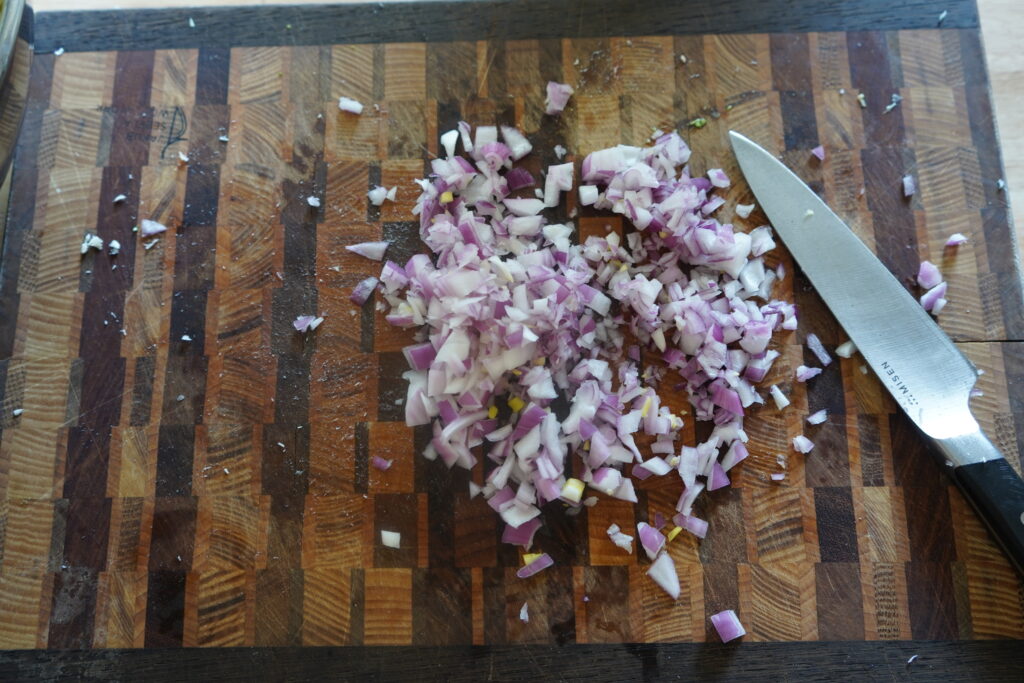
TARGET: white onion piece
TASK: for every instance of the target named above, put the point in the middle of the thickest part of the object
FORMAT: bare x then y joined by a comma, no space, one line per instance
846,349
370,250
350,105
956,239
390,539
780,398
524,614
624,541
818,417
801,444
91,241
663,572
818,349
928,275
148,228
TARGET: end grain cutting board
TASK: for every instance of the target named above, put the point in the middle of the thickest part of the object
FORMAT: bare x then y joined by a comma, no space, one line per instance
157,493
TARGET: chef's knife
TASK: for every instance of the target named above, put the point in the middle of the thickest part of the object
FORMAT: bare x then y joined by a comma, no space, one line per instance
915,360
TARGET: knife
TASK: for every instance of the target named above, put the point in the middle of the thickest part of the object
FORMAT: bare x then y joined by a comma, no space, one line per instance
915,360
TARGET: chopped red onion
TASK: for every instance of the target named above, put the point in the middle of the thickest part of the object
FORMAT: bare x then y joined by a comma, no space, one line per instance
846,349
371,250
801,444
780,398
514,313
956,239
522,534
624,541
819,152
909,186
539,564
744,211
449,140
307,323
697,527
939,304
928,275
558,95
728,625
718,177
818,349
380,463
148,228
517,143
362,291
778,476
651,539
804,373
378,194
663,572
350,105
524,614
390,539
818,417
932,296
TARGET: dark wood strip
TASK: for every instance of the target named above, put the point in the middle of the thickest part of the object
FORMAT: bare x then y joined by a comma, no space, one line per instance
73,611
840,610
133,117
837,530
724,512
391,387
932,600
165,610
212,74
175,447
941,661
451,21
396,512
875,71
356,613
495,612
721,592
442,610
285,478
829,464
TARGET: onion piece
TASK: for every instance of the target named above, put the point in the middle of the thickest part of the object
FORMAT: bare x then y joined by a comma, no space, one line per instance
780,398
846,349
622,540
801,444
524,614
930,298
956,239
928,275
307,323
362,291
804,373
380,463
697,527
651,539
744,210
148,228
370,250
558,95
390,539
663,572
728,625
818,417
540,563
819,152
350,105
909,186
818,349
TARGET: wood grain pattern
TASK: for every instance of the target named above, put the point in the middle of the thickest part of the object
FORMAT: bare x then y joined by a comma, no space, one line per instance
217,492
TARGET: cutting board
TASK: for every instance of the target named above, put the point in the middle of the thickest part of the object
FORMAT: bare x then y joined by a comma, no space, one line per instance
217,492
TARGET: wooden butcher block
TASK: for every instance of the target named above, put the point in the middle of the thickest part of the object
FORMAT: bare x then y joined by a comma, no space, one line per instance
217,493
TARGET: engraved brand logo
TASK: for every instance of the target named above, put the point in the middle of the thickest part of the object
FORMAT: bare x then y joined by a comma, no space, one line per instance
897,386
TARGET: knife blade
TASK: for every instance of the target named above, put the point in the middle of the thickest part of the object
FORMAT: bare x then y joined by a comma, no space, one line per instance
913,358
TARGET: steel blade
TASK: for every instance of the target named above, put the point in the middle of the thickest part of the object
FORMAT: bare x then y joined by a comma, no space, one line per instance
916,361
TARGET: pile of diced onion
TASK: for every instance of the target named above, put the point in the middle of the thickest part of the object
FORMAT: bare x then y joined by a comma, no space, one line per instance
512,315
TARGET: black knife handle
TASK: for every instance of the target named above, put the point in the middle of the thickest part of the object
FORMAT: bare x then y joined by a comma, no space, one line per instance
997,492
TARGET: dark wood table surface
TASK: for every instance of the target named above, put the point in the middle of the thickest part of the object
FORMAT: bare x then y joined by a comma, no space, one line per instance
216,495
